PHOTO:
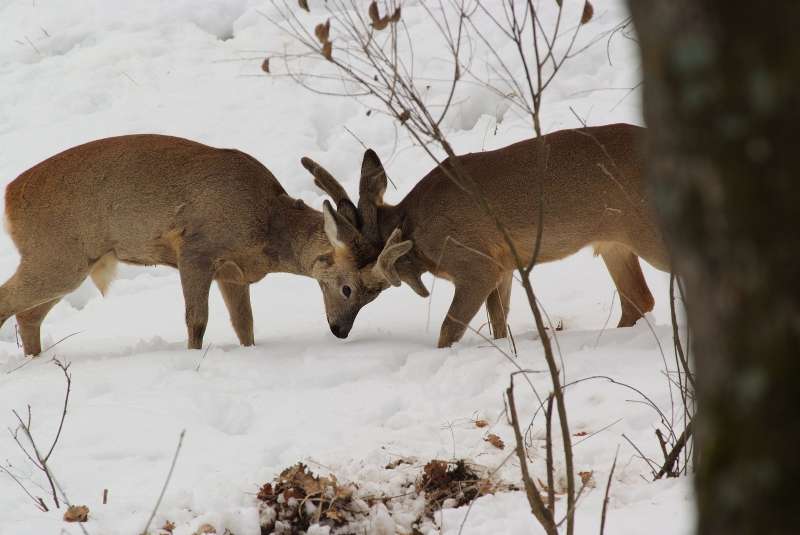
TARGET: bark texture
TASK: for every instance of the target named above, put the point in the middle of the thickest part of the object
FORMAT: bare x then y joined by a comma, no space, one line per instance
722,81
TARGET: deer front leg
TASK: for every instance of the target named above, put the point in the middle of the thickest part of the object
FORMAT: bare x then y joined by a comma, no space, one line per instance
237,299
466,303
196,275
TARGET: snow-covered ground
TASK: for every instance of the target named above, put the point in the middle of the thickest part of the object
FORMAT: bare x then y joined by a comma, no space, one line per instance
72,71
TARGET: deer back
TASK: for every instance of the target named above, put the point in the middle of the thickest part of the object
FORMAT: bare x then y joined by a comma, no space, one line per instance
585,186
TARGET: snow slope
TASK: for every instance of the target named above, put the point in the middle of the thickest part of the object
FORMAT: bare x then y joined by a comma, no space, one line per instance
72,71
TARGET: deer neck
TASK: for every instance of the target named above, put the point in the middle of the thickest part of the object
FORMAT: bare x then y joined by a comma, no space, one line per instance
299,239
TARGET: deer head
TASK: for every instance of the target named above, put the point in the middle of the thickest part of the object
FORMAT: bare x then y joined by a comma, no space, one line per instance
362,263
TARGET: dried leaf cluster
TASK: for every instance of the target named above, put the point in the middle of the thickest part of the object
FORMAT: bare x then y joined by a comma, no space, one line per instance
298,499
378,22
323,33
453,484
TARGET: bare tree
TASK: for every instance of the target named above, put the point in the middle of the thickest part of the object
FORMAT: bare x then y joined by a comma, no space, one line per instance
362,51
721,99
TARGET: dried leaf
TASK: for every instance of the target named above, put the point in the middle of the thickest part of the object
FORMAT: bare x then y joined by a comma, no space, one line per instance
265,493
381,24
168,526
76,513
304,5
481,423
495,441
581,434
378,22
397,462
373,12
265,65
205,529
588,12
334,515
405,116
395,16
587,478
323,31
434,473
327,51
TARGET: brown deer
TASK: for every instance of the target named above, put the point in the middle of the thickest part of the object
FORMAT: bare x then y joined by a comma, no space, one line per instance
590,191
214,214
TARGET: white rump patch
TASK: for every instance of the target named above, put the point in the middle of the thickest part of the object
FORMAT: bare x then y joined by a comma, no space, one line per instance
104,271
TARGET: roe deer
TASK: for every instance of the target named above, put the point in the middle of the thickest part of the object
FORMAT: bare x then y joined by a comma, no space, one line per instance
215,214
591,192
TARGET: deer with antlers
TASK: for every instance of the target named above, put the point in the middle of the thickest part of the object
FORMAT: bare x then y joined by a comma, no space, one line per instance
588,192
214,214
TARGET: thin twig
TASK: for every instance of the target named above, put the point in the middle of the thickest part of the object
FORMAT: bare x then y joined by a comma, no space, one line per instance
605,498
166,482
673,455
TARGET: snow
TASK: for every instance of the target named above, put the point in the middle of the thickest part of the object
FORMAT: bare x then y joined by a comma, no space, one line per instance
72,71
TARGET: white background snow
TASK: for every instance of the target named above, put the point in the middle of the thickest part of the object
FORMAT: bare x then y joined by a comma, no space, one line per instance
72,71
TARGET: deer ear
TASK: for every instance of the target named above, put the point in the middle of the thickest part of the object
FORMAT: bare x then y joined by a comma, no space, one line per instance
373,179
370,194
339,231
392,251
411,276
348,210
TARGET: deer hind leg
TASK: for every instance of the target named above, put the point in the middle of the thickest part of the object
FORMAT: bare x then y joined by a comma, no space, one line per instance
634,295
237,299
30,323
34,289
497,305
467,301
196,275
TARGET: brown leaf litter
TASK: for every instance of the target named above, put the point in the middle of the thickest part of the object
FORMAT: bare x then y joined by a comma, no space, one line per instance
298,499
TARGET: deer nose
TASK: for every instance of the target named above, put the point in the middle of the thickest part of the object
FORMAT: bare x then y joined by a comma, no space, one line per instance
338,332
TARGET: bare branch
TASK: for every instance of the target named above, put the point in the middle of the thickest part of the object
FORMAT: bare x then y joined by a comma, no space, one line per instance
166,482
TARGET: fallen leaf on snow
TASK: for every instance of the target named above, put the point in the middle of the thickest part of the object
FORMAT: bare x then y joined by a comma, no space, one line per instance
397,462
495,441
76,513
587,479
205,529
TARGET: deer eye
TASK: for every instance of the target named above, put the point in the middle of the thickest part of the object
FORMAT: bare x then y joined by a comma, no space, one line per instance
346,291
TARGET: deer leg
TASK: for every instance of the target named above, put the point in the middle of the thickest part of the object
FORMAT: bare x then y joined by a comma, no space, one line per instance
196,275
34,289
497,304
625,270
30,323
466,303
237,299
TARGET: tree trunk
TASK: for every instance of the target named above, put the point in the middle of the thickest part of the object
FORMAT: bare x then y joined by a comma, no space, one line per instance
722,81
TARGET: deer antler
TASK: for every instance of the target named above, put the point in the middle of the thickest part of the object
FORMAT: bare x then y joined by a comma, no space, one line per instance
325,181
